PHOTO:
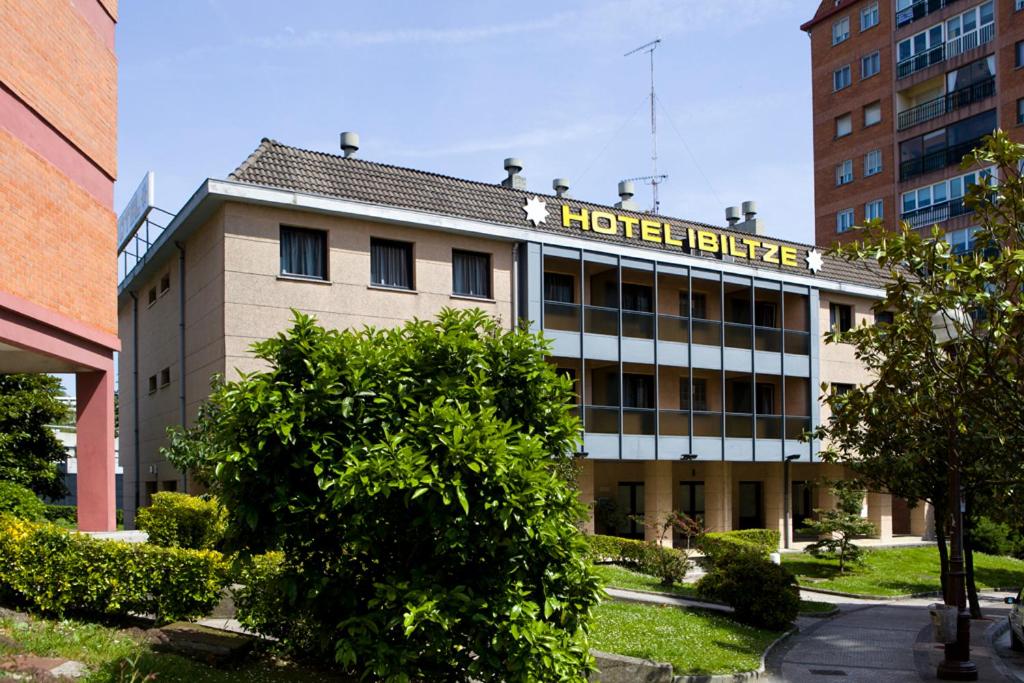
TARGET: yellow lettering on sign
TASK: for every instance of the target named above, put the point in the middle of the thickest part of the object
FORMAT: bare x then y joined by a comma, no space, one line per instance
668,237
650,231
788,256
691,238
583,217
752,246
608,228
629,224
772,255
734,250
707,241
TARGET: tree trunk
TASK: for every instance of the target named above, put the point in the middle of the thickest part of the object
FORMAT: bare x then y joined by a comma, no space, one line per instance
940,541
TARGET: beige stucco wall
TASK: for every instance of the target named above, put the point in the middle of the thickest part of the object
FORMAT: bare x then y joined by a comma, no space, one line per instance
838,363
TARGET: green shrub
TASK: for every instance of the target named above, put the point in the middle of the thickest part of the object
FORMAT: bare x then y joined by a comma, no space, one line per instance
19,501
57,571
68,514
763,594
722,546
178,520
668,564
994,538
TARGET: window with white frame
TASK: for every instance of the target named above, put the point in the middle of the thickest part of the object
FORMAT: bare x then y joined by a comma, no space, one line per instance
844,220
873,210
841,78
966,24
1018,5
962,241
844,172
870,64
1020,107
844,125
920,43
872,114
840,30
940,193
872,162
869,16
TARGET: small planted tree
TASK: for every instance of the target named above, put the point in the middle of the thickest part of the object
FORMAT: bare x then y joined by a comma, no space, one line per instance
837,528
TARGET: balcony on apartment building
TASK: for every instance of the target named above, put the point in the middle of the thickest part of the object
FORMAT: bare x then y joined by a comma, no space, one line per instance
941,201
908,12
946,40
946,103
944,147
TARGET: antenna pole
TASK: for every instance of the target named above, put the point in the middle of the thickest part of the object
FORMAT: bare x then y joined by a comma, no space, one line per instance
655,178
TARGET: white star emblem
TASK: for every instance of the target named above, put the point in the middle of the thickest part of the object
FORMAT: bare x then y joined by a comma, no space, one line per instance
536,211
813,259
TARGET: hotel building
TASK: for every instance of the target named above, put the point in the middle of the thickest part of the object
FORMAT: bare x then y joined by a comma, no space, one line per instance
697,350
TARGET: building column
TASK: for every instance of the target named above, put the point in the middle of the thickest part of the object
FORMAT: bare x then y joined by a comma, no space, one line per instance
657,499
774,499
922,521
95,451
880,514
585,481
718,496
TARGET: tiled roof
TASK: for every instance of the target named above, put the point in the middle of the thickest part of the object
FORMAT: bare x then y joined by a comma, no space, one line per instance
275,165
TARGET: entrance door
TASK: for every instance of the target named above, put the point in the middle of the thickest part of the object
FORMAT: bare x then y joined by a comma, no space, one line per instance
751,505
631,507
900,517
801,497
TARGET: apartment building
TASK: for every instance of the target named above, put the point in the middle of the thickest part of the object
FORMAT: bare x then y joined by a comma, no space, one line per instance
902,90
58,153
696,349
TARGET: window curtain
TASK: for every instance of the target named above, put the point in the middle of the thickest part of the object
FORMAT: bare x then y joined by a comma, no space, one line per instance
390,264
558,288
471,274
302,252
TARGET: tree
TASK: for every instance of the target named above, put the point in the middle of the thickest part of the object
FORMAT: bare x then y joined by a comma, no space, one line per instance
412,479
29,451
837,528
948,371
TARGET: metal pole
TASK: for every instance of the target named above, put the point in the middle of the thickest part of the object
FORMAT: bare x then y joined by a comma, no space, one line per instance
957,665
785,502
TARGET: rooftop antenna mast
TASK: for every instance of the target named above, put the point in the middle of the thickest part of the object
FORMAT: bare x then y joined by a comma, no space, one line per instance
655,178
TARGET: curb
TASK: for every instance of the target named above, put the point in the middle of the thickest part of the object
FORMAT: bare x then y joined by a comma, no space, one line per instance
905,596
993,632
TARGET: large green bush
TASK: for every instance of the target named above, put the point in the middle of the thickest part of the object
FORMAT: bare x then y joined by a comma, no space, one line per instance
178,520
995,538
21,502
414,480
722,546
761,593
669,564
57,571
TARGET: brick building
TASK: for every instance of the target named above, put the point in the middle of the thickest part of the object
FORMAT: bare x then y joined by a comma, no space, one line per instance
902,89
58,135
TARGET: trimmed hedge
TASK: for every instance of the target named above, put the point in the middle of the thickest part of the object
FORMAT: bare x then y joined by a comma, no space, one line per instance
721,546
761,593
21,502
57,571
669,564
178,520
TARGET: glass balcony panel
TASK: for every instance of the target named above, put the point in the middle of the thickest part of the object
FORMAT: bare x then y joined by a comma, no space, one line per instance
674,423
707,332
673,328
638,420
769,427
768,339
559,316
707,424
639,325
737,336
798,343
739,425
599,320
796,426
602,419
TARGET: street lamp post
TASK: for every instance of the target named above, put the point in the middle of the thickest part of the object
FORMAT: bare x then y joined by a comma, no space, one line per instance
786,504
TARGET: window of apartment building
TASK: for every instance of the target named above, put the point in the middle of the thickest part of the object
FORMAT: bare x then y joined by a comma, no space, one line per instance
920,43
165,283
840,30
152,384
980,70
1018,5
841,78
969,21
304,253
844,172
151,297
961,241
884,318
165,377
940,193
869,16
935,150
873,162
844,220
840,317
558,287
1020,107
1018,49
637,391
839,388
700,395
872,114
638,298
471,274
391,264
870,64
873,210
699,306
844,125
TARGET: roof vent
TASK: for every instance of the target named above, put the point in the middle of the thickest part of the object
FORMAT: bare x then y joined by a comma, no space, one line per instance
560,186
514,180
349,144
749,210
626,192
732,215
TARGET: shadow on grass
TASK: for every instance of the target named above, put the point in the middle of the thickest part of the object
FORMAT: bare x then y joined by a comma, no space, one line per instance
998,577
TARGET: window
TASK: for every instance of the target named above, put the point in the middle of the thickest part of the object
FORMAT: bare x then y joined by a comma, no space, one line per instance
961,241
165,283
840,317
558,287
940,193
844,125
839,389
841,78
765,399
700,395
304,253
840,30
637,391
872,162
471,274
870,65
869,16
884,318
1019,54
165,377
1018,5
872,114
844,172
844,220
390,264
699,302
1020,107
932,38
638,298
970,29
151,297
152,384
764,314
873,210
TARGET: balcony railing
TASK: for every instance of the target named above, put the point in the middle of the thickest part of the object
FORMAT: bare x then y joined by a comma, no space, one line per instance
937,159
674,423
673,328
930,215
919,10
796,426
601,419
931,109
921,61
798,343
970,40
561,316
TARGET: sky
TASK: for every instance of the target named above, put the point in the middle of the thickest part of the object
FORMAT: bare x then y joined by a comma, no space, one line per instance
454,87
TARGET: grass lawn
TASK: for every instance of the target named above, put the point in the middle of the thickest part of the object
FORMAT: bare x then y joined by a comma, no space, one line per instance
692,641
898,571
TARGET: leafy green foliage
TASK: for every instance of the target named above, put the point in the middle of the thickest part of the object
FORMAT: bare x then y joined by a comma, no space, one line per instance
414,480
192,449
837,528
762,593
996,538
58,572
29,451
178,520
21,502
668,564
721,546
